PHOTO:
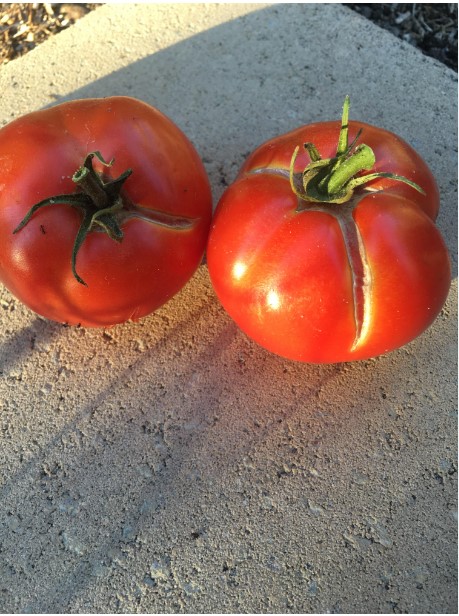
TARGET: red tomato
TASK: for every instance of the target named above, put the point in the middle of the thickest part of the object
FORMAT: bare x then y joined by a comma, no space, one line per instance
121,237
318,266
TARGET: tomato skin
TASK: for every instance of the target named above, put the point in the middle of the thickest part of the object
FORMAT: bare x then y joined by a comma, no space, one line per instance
333,282
40,152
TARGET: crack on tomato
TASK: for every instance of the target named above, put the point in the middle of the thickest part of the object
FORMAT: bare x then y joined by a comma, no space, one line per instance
361,275
272,170
355,250
156,217
358,263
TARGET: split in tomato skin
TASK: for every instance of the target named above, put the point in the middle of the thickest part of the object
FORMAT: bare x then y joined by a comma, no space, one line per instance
322,281
132,258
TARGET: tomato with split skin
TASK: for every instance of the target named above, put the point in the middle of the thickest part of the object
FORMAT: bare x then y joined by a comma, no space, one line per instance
105,209
332,254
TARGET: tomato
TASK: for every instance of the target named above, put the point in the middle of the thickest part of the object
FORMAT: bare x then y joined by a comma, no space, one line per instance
105,208
330,254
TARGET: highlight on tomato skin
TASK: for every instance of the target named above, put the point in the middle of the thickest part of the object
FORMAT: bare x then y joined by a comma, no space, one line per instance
325,248
105,210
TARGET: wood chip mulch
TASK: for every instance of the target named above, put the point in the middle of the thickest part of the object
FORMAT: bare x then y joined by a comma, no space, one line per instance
24,26
432,28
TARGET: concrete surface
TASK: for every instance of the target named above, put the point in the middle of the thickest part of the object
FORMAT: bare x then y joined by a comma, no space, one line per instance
172,465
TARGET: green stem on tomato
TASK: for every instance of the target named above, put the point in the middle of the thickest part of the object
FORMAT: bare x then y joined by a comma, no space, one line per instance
343,134
363,159
90,184
103,207
333,180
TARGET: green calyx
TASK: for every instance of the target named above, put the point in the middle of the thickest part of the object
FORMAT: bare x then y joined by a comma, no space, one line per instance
333,180
99,201
103,207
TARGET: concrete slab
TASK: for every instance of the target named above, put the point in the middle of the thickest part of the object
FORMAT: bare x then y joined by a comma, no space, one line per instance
174,466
